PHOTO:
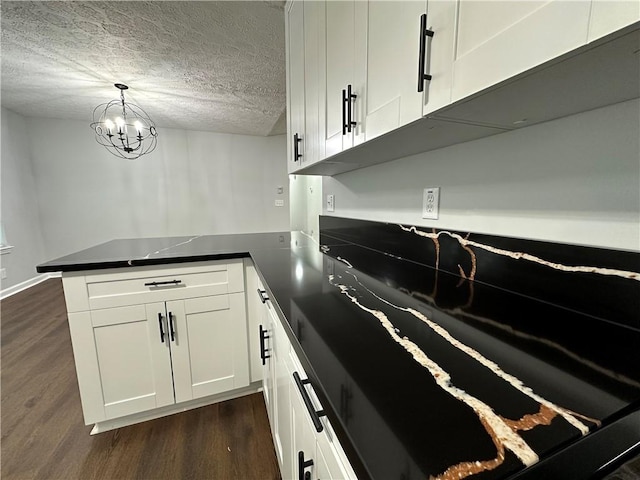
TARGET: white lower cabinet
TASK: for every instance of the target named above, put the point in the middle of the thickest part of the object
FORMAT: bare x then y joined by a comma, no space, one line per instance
136,358
208,344
302,452
315,454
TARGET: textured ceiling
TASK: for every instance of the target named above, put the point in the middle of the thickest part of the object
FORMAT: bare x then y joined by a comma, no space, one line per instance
215,66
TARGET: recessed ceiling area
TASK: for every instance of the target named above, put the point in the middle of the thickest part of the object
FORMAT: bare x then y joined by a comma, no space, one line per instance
209,65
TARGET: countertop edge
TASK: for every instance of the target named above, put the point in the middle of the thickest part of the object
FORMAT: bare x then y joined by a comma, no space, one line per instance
137,262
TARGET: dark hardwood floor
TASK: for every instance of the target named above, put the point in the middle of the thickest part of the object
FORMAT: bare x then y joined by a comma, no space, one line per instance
43,432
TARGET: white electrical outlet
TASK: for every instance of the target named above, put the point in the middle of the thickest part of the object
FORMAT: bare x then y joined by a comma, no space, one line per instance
3,273
331,206
279,203
431,202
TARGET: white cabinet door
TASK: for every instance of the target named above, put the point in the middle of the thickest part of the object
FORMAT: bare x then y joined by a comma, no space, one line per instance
282,400
607,16
393,41
314,82
255,318
134,362
295,85
345,37
122,360
209,349
303,437
499,39
439,51
328,464
394,94
268,376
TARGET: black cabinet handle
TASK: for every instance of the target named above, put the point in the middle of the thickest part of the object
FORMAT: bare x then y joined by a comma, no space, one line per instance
296,147
261,293
173,333
168,282
161,329
302,464
424,33
350,97
315,415
344,112
263,349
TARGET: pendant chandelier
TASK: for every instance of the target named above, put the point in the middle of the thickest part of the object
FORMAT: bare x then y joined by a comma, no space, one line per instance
124,128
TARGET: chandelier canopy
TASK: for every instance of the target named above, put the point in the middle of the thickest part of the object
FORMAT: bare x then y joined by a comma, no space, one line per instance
124,128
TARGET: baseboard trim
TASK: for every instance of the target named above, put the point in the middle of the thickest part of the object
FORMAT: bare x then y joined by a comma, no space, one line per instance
112,424
7,292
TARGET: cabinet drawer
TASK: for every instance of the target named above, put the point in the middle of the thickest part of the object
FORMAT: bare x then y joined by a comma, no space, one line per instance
139,285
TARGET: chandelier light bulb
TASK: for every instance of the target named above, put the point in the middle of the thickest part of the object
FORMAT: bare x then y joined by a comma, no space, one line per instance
120,123
109,124
126,115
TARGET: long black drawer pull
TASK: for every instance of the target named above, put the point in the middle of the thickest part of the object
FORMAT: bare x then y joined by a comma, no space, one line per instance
171,330
261,294
424,33
161,329
168,282
296,147
350,98
263,349
315,415
302,464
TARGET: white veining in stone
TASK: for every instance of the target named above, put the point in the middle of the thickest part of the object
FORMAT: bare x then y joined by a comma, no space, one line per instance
210,65
458,311
525,256
346,262
485,362
148,255
501,432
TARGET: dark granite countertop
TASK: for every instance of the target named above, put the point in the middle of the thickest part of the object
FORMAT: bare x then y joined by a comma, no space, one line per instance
415,389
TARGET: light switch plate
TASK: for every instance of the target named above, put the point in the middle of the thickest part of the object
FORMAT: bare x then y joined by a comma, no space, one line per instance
331,205
431,202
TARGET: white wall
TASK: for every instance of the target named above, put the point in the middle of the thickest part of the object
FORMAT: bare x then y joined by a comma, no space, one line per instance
19,203
305,193
573,180
193,183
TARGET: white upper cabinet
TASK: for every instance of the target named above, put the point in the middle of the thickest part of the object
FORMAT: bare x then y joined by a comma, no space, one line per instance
388,73
609,15
314,81
499,39
295,85
393,48
409,61
345,50
306,83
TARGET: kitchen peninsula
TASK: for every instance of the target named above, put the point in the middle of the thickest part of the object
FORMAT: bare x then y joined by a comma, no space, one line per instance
428,353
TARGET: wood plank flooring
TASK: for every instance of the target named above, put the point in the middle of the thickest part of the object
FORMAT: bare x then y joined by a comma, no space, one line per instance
44,436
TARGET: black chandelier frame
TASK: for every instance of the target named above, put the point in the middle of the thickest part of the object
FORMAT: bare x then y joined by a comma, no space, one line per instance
115,122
